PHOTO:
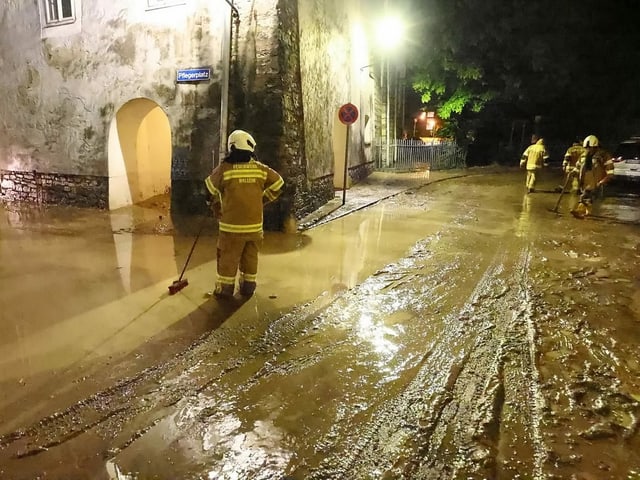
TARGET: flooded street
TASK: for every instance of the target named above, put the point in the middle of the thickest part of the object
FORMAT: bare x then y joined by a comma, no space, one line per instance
460,329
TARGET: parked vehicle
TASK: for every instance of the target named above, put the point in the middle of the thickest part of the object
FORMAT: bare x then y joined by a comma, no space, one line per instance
626,160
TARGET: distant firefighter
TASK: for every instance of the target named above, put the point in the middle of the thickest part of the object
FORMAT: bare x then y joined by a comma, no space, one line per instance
533,158
571,158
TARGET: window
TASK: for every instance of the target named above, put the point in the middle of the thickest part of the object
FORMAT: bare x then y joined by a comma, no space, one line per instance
59,12
151,4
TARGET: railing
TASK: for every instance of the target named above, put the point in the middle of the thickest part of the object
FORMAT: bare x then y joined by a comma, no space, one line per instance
416,155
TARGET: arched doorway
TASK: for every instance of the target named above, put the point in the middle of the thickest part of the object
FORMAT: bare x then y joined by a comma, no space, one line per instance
139,153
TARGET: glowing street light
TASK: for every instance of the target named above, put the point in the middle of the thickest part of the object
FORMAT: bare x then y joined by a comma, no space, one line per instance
389,32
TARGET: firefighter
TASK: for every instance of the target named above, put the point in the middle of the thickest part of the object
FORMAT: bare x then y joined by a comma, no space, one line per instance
240,187
533,158
594,169
571,157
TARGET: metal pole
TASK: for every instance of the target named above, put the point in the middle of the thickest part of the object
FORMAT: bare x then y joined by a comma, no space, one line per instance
396,95
346,163
388,114
227,46
386,55
224,94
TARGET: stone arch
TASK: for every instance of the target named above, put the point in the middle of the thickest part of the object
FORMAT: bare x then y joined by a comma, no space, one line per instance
139,153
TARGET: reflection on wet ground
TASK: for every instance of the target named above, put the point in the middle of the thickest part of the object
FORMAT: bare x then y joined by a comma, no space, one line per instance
459,330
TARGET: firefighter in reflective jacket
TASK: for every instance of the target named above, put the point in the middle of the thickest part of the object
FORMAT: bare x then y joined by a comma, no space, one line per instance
533,158
594,169
240,187
571,158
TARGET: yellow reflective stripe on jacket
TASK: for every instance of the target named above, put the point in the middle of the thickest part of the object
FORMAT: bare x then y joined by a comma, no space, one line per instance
608,166
273,191
244,173
231,228
212,189
277,185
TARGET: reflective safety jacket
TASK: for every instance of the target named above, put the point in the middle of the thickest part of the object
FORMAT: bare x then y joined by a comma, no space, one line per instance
534,156
241,189
571,157
601,163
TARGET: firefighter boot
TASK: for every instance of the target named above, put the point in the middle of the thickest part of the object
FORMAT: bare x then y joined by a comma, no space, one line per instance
580,211
223,291
247,288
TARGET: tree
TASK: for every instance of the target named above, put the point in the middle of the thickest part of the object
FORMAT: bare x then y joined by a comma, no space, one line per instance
487,63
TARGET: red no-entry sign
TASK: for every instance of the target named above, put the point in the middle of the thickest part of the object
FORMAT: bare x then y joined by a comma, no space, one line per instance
348,113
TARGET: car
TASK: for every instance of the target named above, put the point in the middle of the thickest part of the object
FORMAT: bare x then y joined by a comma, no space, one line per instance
626,160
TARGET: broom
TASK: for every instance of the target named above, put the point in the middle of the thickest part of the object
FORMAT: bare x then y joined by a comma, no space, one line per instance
564,188
180,283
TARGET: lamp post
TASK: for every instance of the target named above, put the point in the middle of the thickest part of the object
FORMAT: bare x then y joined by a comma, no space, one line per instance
389,34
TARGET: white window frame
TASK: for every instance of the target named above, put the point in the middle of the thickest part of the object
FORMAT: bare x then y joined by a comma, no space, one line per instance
54,18
155,4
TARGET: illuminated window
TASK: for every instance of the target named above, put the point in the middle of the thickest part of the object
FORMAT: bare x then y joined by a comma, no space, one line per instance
59,12
151,4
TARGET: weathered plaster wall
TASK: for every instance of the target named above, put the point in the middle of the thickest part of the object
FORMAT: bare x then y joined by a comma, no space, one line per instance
60,94
294,62
293,66
333,50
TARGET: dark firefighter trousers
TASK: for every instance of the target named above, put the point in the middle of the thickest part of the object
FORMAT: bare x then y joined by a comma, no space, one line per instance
237,251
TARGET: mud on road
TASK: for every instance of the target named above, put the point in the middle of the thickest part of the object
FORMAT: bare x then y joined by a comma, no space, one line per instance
503,344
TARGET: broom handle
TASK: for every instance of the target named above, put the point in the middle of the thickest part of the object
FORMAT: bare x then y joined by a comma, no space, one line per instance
192,248
564,187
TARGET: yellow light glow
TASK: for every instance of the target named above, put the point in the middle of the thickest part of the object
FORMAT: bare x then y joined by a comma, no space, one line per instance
359,46
389,32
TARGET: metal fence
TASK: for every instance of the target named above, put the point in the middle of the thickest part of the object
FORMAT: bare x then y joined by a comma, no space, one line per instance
416,155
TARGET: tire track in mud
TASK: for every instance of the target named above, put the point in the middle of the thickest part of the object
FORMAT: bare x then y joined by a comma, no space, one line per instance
464,421
588,337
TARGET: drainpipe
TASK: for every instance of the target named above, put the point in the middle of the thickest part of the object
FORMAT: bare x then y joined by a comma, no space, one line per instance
224,96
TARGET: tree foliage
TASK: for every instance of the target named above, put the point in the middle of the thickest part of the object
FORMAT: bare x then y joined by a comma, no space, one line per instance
485,64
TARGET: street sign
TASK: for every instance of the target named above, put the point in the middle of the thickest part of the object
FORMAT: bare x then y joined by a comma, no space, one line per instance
190,75
348,113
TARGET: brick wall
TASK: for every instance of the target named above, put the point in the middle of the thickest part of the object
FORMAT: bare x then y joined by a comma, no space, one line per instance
53,189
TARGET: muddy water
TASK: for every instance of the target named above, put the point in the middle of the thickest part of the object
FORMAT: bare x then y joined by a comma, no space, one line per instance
499,342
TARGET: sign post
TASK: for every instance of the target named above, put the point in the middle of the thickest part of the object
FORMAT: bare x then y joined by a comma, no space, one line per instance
347,114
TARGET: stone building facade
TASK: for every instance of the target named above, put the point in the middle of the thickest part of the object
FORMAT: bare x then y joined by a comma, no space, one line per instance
93,114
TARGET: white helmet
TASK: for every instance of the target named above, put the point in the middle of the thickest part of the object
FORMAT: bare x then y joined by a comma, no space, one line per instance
241,140
590,141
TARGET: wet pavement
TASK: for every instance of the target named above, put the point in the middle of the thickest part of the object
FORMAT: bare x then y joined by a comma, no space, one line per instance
447,327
